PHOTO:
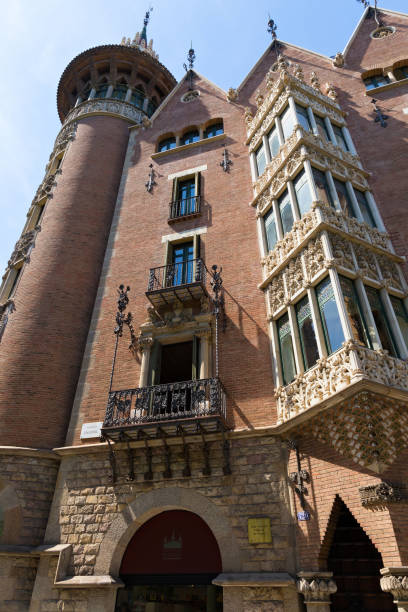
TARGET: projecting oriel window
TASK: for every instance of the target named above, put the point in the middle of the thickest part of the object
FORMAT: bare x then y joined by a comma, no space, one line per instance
365,208
286,349
274,143
303,117
341,141
333,332
287,122
285,209
322,187
381,321
303,195
321,127
310,351
355,313
344,198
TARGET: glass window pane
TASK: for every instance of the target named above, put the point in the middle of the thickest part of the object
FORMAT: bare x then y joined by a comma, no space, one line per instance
307,335
285,210
321,127
344,198
381,322
329,314
190,137
402,316
341,141
369,84
260,160
101,91
303,195
365,208
303,117
186,197
182,268
287,122
353,307
286,349
137,98
120,91
214,130
167,144
270,229
322,187
273,142
401,73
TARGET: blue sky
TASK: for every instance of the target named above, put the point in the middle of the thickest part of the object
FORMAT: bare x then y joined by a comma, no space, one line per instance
39,38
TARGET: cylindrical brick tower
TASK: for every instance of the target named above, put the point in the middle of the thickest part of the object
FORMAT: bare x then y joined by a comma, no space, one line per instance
50,285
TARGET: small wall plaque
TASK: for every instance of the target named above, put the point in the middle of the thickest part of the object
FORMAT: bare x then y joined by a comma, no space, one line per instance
91,430
259,530
303,516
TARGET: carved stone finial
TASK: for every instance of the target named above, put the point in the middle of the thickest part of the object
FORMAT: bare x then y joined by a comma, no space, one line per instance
258,98
146,122
314,79
298,72
282,65
316,588
232,95
338,60
394,580
270,78
331,91
248,116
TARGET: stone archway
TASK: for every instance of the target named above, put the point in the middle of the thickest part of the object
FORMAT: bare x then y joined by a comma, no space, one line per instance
146,506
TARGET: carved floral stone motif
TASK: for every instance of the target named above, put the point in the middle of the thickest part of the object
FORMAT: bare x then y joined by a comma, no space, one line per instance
316,588
111,107
395,581
380,494
23,247
259,98
314,79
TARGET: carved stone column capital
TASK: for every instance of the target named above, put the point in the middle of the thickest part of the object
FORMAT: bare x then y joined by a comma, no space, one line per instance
394,580
316,588
145,343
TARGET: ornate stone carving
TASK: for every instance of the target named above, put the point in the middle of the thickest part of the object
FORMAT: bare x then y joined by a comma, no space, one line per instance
350,364
294,277
389,272
314,258
190,96
45,189
23,247
248,116
366,262
144,343
343,256
232,95
110,107
66,135
276,294
259,98
298,72
380,494
331,91
146,123
338,60
316,588
395,581
5,310
314,79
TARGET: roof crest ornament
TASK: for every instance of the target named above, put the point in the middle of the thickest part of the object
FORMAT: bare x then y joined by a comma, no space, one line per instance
366,4
191,56
140,39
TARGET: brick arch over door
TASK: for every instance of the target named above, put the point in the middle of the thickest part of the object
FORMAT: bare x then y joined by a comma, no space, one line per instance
147,505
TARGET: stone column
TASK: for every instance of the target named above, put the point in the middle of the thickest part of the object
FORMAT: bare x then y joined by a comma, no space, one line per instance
394,580
145,346
316,588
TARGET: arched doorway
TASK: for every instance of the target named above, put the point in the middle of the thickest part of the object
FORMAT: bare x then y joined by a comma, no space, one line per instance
356,564
169,566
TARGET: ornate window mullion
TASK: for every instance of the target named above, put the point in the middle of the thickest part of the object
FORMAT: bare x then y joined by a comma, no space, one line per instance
109,92
330,130
279,130
350,143
260,226
297,347
292,196
312,120
354,202
309,173
266,149
395,328
314,307
368,315
276,362
332,188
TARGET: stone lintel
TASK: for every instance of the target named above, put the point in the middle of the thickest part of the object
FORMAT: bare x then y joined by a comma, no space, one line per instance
89,582
254,579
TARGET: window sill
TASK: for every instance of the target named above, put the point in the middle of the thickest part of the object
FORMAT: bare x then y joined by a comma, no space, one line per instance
191,145
386,87
172,220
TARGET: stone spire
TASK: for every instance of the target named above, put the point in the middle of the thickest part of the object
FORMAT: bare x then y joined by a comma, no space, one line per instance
140,39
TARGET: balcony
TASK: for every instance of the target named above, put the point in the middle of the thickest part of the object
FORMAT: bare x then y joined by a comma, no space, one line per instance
350,369
173,409
184,209
177,282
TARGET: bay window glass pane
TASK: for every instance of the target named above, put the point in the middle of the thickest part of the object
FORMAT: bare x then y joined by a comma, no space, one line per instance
402,316
260,160
401,73
344,198
310,352
190,137
120,91
287,122
381,321
137,98
354,311
101,91
341,141
303,195
321,127
274,143
322,187
333,332
286,349
303,117
365,208
270,229
285,209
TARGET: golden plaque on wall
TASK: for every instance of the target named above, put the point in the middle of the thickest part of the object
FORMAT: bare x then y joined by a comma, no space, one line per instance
259,530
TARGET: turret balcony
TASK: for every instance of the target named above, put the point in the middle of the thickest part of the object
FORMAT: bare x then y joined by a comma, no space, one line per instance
177,282
173,409
346,372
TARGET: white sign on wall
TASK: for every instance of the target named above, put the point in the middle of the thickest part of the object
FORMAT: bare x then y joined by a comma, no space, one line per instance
91,430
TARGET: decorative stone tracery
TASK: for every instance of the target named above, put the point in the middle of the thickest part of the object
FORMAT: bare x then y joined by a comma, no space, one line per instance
378,495
316,588
104,106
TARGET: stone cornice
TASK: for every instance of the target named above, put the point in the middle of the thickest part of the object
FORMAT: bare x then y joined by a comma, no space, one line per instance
22,451
105,106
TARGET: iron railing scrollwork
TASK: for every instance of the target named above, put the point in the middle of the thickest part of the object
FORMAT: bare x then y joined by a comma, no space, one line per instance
176,274
179,400
185,207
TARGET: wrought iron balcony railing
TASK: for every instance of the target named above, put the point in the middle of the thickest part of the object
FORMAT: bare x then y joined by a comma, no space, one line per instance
181,281
187,407
188,207
337,375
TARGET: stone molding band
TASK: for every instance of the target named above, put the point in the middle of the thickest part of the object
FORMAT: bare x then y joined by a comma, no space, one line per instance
98,106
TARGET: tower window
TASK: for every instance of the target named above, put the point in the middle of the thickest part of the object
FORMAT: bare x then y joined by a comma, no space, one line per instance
274,143
354,311
120,91
302,191
101,91
137,98
322,187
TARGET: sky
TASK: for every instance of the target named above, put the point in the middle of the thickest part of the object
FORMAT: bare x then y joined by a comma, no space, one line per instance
39,38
